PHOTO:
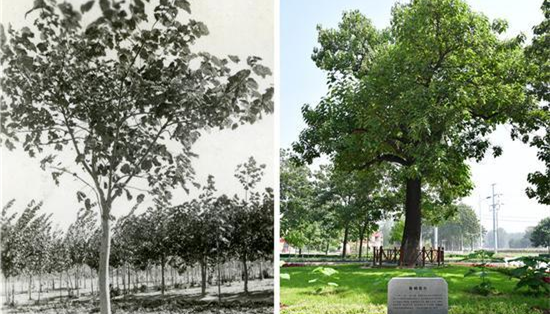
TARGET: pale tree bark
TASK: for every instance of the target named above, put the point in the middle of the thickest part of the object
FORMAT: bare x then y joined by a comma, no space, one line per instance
104,293
203,276
245,272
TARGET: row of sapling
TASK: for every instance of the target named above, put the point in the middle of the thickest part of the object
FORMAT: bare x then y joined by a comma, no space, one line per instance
208,232
101,100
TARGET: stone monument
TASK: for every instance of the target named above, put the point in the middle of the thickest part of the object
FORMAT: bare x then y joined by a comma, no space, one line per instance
417,296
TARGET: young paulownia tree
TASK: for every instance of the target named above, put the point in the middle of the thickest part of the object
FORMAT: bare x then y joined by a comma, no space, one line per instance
101,100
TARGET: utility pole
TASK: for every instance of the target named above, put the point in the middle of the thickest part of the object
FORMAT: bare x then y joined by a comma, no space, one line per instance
495,216
480,223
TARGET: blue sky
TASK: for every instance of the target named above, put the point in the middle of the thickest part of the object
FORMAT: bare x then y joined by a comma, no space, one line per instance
302,82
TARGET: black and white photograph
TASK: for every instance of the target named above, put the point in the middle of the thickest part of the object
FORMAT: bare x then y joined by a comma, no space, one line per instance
138,156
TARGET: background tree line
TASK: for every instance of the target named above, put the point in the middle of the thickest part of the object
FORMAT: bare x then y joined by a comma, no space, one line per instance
211,239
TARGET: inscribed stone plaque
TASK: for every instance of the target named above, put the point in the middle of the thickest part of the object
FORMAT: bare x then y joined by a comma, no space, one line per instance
417,296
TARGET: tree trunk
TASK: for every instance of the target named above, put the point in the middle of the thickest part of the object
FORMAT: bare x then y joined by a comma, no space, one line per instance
6,289
261,270
124,280
92,282
60,285
104,293
76,286
362,237
326,251
411,234
219,279
13,293
203,277
30,287
345,242
162,275
39,285
245,271
129,278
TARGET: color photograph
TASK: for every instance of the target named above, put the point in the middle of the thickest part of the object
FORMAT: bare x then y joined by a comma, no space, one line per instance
414,157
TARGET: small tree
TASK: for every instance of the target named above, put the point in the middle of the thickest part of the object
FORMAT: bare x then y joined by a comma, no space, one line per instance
541,234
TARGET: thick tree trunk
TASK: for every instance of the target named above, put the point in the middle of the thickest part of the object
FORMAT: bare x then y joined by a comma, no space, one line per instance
413,215
105,249
345,242
245,271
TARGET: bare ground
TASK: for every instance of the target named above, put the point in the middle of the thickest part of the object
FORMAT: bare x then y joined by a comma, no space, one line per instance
258,301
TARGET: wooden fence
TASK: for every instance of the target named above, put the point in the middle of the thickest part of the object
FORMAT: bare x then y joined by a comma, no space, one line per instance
395,256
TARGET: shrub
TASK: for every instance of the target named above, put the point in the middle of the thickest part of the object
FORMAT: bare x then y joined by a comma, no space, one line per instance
535,274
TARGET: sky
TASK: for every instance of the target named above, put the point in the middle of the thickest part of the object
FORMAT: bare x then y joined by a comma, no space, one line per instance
219,151
303,83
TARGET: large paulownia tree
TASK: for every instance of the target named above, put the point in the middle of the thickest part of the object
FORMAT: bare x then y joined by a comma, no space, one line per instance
101,100
423,94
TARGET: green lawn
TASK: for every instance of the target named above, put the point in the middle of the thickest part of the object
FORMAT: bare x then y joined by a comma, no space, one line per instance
365,291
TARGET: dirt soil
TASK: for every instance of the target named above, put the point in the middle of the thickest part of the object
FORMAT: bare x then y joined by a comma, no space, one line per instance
258,301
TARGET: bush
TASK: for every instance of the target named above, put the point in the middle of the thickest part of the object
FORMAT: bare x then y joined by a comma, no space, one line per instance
535,274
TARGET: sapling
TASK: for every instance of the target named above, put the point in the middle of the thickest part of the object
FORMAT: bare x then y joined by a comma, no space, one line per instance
326,277
485,287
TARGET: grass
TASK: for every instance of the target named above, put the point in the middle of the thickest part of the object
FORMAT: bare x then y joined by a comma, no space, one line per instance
365,291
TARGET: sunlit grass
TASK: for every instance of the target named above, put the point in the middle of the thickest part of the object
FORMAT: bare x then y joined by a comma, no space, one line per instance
364,290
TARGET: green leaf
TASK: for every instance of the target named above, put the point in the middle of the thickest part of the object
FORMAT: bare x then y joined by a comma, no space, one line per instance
332,284
284,276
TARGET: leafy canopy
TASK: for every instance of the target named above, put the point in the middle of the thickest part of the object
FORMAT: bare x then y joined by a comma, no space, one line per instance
423,94
117,90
